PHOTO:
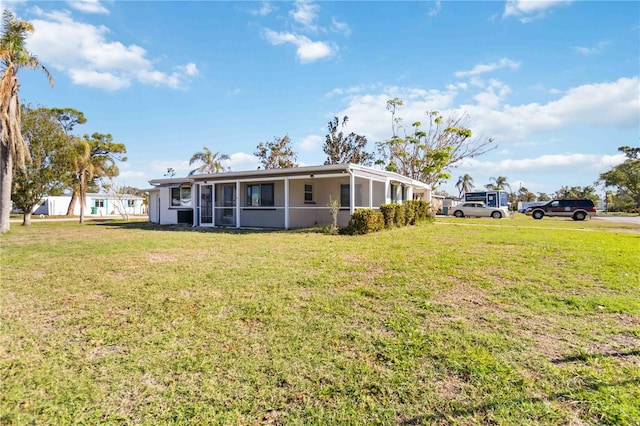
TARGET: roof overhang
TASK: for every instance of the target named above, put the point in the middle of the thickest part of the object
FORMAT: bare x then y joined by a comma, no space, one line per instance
311,171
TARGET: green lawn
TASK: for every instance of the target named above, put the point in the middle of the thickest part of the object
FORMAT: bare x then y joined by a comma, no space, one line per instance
472,321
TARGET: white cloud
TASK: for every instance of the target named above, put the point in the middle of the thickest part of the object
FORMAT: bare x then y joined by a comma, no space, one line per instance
613,104
593,50
308,50
610,104
12,5
89,58
545,162
100,80
529,10
264,9
340,27
485,68
242,161
435,9
368,114
88,6
494,94
190,69
305,13
311,143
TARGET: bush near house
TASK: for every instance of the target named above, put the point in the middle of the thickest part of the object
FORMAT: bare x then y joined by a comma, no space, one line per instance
408,213
416,211
364,221
389,213
394,215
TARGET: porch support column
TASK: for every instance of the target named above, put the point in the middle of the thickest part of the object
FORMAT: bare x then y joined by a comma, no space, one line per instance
213,204
370,193
352,193
237,204
286,203
386,192
195,201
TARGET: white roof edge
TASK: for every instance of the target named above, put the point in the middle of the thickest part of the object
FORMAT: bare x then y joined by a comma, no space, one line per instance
292,170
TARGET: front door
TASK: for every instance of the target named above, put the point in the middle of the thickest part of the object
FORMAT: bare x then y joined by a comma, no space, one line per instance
206,205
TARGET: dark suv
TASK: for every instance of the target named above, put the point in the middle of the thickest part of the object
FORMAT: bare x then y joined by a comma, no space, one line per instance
577,209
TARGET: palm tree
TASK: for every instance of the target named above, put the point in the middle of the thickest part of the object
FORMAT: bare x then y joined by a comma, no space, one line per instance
103,155
465,184
499,183
83,169
14,152
211,161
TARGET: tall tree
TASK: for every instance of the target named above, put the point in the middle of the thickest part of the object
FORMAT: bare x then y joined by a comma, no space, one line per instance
344,149
84,168
577,192
625,176
277,154
13,57
525,195
499,184
426,155
103,154
543,196
49,153
68,119
464,184
211,161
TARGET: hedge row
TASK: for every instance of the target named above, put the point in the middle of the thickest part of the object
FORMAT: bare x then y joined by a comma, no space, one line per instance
408,213
365,221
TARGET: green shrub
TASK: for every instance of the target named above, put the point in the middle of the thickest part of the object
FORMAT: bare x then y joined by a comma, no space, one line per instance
388,214
398,215
410,212
364,221
423,211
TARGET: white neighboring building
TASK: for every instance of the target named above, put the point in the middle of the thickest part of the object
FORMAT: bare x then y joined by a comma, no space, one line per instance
95,205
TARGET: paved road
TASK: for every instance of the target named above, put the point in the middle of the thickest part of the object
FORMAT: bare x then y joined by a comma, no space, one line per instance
620,219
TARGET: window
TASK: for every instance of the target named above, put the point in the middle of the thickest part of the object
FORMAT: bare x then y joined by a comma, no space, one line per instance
345,196
181,196
98,203
308,193
131,203
260,195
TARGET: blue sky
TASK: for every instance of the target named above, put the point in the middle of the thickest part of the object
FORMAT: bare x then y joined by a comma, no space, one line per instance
556,84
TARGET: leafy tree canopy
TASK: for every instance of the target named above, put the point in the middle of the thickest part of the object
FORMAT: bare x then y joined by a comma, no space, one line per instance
625,176
344,149
277,154
427,153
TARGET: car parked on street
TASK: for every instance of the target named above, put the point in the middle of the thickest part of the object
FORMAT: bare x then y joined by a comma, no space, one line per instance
576,208
478,209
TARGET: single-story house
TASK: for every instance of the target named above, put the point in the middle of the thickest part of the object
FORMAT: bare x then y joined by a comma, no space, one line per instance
96,204
277,198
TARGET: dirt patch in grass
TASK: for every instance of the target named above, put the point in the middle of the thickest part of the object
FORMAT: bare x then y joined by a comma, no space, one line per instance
159,257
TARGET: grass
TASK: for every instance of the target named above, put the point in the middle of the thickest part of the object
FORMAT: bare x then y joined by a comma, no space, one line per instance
470,321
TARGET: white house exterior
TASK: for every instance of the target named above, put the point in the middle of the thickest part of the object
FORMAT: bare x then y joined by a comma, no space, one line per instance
277,198
95,205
